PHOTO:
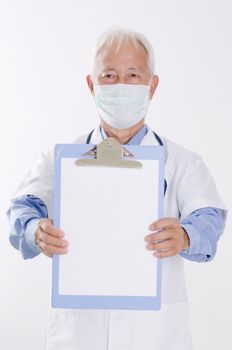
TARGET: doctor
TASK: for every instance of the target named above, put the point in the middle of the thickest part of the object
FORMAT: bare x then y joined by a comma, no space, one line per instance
122,84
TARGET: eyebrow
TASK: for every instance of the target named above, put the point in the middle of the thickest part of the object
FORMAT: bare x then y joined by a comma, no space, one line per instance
107,69
110,68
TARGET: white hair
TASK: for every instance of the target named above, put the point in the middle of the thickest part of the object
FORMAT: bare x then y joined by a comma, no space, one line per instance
120,36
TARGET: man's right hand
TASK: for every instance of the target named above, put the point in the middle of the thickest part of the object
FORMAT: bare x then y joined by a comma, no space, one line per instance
50,239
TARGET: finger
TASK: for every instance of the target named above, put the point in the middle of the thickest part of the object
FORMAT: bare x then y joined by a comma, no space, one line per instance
41,249
159,236
166,254
168,244
51,240
50,249
162,223
47,227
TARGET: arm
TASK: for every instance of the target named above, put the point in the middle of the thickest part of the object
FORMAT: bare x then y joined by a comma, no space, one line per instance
195,237
204,227
24,216
29,224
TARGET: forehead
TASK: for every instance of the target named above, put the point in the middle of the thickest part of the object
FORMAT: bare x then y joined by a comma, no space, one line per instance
126,55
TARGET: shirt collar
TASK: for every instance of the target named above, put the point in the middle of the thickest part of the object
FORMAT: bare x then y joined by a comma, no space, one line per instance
135,140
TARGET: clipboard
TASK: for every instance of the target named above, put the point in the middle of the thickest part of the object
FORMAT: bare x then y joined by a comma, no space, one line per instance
105,198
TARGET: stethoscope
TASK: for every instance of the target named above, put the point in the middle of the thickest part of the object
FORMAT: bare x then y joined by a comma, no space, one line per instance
157,138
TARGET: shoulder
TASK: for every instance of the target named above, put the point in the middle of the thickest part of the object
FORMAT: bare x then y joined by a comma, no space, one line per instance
82,138
181,157
49,155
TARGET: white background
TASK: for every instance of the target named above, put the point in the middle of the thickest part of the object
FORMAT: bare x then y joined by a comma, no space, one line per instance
45,51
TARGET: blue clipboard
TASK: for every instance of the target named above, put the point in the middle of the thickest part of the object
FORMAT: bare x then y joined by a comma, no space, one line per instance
61,299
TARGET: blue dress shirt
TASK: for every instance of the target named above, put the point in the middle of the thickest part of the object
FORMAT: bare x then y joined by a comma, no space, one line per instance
203,226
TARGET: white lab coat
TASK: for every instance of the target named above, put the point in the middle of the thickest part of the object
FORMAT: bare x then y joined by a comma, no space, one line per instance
190,187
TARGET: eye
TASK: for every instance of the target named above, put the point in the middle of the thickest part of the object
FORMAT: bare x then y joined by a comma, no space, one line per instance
108,76
134,76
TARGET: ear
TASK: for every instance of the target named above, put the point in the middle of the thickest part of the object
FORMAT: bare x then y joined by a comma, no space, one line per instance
90,83
154,84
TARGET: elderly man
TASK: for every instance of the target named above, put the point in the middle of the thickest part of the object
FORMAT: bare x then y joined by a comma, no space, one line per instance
122,84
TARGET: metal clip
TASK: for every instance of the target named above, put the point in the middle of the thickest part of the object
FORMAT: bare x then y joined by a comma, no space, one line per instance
109,153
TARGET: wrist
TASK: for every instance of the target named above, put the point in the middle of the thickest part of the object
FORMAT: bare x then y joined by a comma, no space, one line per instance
30,231
186,241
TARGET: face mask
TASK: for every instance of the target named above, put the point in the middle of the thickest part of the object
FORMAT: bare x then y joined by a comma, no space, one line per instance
122,105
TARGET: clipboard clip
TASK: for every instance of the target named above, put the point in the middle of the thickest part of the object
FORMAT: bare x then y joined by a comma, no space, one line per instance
109,153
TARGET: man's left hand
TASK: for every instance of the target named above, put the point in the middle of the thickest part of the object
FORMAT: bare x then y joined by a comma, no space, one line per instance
167,238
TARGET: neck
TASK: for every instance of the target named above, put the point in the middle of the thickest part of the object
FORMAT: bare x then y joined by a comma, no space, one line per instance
121,135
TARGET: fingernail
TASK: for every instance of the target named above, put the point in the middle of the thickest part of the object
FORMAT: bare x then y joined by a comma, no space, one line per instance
151,227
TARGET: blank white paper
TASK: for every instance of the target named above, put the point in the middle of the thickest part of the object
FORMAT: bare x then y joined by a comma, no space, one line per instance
105,213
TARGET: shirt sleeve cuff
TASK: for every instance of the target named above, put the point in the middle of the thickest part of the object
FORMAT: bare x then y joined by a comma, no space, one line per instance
194,240
31,228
